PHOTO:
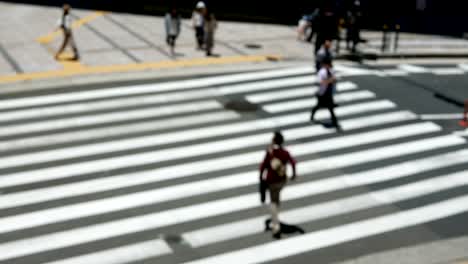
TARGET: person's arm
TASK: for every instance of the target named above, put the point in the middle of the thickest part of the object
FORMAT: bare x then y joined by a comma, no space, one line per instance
293,165
264,163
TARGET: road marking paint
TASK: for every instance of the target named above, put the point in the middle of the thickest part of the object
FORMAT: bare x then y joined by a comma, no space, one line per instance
311,102
163,111
308,91
125,254
99,185
413,68
194,212
341,234
447,71
441,116
255,225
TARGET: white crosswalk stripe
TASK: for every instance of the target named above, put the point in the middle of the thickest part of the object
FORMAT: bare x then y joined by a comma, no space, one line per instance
83,179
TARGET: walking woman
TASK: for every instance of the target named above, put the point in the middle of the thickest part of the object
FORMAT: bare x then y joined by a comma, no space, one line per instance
275,178
65,25
327,89
172,24
210,27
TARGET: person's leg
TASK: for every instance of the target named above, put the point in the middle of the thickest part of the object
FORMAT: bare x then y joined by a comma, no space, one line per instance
171,42
200,37
333,116
66,38
275,190
312,113
76,55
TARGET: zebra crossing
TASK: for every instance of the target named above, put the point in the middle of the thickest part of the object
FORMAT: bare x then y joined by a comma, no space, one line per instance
110,175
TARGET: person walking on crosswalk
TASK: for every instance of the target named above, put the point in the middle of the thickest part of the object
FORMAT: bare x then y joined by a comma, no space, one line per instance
327,81
275,178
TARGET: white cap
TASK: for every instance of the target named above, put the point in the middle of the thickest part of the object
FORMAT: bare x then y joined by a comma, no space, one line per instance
200,4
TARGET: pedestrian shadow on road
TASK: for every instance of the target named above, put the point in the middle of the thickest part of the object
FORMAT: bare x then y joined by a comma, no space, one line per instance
285,229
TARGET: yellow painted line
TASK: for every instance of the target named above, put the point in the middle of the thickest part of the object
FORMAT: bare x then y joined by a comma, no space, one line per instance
72,68
76,24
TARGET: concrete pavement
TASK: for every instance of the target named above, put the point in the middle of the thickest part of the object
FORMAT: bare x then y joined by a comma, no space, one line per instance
110,43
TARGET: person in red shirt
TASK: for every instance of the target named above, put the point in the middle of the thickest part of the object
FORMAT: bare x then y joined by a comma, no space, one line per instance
275,178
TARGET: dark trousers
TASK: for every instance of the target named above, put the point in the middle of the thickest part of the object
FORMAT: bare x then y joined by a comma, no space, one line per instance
328,103
68,39
171,40
200,35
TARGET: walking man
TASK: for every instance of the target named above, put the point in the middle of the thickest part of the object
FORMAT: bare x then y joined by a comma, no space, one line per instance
325,53
172,23
210,27
327,81
65,25
198,24
275,179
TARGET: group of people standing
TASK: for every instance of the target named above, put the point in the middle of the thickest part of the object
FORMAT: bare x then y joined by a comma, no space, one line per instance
204,24
327,22
203,21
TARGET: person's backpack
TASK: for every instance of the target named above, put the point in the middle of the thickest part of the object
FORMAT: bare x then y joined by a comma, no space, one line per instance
277,165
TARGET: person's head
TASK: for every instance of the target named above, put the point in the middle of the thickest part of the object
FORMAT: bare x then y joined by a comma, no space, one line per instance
200,6
326,63
66,8
327,44
173,11
278,138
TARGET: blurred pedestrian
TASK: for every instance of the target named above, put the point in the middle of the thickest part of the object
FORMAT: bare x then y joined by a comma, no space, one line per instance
210,27
198,23
312,18
275,178
64,23
325,25
326,91
353,26
302,26
172,24
325,53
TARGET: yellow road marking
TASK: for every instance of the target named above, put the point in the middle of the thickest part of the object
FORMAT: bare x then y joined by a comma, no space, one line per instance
76,24
72,68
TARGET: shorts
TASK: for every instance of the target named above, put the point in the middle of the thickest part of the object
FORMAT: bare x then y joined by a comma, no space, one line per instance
274,189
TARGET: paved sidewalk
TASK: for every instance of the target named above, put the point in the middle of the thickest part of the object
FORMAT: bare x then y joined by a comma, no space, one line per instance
111,42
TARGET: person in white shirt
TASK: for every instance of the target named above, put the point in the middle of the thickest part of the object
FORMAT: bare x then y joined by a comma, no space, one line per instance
64,24
198,24
172,24
327,81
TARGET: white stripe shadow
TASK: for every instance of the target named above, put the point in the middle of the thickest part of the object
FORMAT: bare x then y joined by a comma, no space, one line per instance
122,255
149,88
109,104
49,216
447,71
107,230
72,170
294,93
43,126
395,72
441,116
147,141
310,102
341,234
99,185
117,103
412,68
119,130
267,85
252,226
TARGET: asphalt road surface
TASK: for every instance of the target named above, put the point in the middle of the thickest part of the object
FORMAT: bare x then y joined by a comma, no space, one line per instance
167,172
